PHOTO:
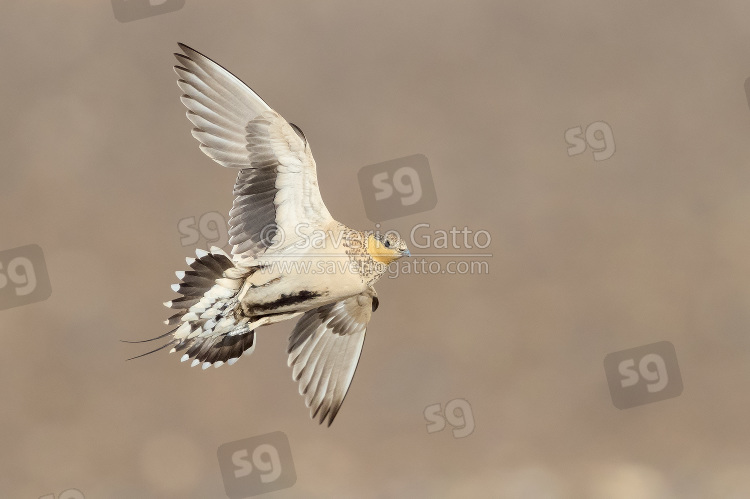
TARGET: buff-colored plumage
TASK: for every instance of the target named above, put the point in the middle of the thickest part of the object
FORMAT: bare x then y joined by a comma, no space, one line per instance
274,272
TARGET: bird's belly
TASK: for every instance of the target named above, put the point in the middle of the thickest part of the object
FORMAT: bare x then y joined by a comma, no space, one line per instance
308,284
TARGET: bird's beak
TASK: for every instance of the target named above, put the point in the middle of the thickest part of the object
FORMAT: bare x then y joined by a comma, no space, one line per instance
405,253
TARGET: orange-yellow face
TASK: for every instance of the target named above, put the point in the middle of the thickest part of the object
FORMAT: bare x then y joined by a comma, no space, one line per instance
386,248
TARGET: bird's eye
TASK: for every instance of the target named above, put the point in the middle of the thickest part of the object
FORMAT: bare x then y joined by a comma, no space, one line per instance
387,243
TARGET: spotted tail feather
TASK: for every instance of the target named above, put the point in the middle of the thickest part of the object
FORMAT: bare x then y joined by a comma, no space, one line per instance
208,325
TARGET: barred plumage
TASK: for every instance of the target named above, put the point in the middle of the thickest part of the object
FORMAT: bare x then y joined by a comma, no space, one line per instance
271,275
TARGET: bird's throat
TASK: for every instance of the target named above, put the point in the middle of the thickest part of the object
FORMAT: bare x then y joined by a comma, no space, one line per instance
380,253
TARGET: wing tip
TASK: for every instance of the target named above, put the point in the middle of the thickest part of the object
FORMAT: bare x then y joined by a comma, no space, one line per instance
186,49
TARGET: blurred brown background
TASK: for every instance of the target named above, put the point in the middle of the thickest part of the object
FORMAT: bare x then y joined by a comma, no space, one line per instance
589,257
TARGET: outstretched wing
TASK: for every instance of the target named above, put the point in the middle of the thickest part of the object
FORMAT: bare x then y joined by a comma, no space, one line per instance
324,350
277,187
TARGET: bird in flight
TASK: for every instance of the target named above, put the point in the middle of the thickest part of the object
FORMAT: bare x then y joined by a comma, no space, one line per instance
289,257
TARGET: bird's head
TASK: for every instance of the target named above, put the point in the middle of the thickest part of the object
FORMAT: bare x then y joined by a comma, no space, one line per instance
386,248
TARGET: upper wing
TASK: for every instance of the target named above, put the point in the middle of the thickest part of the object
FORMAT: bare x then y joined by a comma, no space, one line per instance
324,350
277,186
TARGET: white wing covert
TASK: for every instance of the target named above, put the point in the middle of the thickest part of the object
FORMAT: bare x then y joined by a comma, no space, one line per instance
324,351
276,190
